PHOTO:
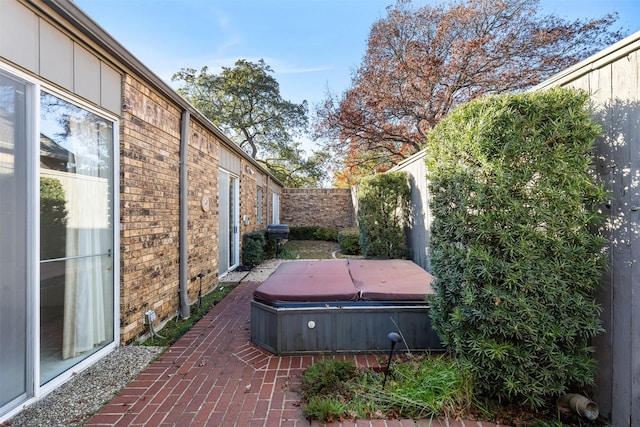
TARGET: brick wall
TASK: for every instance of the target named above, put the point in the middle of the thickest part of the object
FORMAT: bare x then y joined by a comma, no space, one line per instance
203,161
324,207
150,208
248,198
149,199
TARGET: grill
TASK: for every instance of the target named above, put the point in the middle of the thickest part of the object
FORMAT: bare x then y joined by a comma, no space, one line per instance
277,231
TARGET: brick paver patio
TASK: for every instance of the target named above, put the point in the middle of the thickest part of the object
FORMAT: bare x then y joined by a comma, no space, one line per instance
214,376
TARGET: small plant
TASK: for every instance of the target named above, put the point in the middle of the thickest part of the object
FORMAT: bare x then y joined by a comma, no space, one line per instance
324,409
349,240
329,376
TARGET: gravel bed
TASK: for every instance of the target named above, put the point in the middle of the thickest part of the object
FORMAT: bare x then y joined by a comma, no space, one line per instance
74,402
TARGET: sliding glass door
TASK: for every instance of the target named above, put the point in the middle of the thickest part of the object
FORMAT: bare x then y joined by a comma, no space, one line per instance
57,203
76,234
14,295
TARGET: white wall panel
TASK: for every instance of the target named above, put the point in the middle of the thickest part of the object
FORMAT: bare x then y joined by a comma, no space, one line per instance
56,56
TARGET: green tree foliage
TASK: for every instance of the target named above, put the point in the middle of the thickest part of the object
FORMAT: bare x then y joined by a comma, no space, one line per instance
53,219
384,208
422,61
512,242
245,103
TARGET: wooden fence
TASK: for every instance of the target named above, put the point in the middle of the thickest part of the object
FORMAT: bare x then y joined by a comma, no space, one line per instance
613,79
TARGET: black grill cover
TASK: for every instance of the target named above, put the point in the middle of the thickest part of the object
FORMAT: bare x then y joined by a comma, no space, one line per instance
277,231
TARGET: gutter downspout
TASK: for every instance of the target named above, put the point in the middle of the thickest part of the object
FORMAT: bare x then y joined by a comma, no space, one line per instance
269,197
183,291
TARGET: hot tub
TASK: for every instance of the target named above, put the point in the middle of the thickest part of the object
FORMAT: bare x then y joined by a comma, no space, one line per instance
343,306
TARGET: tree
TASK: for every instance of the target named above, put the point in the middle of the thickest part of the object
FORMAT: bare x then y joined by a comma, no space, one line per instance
245,103
422,62
291,167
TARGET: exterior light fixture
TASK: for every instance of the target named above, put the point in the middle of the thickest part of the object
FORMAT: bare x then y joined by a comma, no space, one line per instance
394,338
200,276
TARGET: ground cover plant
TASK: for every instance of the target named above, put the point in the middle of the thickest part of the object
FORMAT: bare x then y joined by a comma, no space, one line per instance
419,386
416,387
513,244
175,328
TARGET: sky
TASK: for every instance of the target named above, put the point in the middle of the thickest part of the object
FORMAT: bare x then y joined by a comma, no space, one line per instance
313,46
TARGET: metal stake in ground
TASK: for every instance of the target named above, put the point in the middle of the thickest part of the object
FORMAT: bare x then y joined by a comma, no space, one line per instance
394,338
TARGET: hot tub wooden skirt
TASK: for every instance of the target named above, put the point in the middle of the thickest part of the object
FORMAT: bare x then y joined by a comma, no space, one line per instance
334,328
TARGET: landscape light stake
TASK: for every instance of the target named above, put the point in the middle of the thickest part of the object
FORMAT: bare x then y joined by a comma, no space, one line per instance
201,275
394,338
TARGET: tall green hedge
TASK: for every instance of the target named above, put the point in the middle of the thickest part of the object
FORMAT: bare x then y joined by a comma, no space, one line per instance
516,264
384,207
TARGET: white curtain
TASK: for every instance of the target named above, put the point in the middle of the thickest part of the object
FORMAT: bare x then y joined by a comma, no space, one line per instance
86,272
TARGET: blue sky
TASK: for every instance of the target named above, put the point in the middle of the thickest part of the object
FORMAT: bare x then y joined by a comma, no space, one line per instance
312,45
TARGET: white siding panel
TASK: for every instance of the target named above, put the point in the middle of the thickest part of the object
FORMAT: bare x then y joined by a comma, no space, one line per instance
86,78
19,35
110,89
56,56
229,160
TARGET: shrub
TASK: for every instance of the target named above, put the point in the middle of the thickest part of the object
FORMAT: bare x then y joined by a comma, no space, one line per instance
516,264
302,233
327,234
349,240
254,247
384,208
313,233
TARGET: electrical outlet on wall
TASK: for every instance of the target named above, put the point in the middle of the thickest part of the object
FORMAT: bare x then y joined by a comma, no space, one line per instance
149,317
